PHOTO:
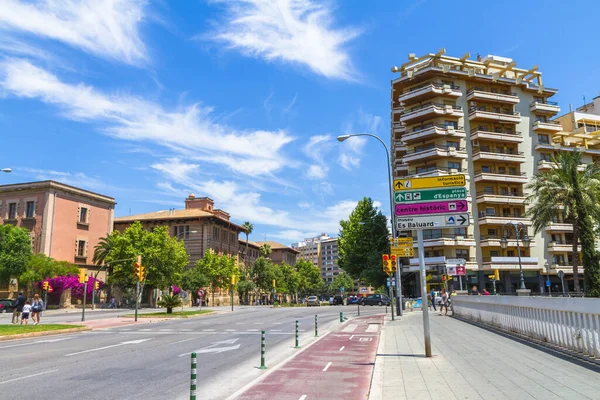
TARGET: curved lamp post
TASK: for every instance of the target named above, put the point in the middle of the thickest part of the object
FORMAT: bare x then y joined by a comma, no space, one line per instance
341,138
521,234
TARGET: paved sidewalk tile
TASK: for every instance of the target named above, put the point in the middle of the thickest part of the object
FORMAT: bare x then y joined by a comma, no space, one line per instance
470,363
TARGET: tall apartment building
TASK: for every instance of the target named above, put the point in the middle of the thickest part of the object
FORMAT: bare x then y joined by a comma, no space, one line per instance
487,119
322,251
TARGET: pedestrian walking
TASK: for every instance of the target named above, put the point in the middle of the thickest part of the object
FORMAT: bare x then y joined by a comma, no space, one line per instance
112,303
25,313
431,298
444,296
18,304
36,309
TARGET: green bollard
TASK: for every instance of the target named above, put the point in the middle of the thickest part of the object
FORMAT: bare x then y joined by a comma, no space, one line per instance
193,380
341,317
316,326
297,346
262,350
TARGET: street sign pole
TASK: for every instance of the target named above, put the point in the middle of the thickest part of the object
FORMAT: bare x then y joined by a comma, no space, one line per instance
426,329
137,289
84,296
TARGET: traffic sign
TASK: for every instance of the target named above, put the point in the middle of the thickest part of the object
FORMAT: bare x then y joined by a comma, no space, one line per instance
403,251
435,207
402,241
411,196
461,270
548,283
456,261
200,292
432,221
451,269
429,182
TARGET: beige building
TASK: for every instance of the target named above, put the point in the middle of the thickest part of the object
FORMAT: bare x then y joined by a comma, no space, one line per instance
483,118
280,253
64,222
322,251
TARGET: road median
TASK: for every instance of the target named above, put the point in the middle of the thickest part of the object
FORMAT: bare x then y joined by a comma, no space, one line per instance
9,332
179,314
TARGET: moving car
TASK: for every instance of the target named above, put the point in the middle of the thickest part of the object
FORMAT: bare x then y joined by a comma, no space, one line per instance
338,301
313,301
6,306
353,300
375,299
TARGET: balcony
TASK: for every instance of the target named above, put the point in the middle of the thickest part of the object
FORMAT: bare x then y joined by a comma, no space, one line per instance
446,239
494,241
566,267
398,127
486,95
501,197
511,263
558,227
547,126
428,111
440,260
429,91
544,107
500,176
434,170
490,116
543,165
498,155
501,219
561,247
434,151
401,166
510,136
436,130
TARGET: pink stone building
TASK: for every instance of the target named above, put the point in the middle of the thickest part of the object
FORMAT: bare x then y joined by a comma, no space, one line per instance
64,222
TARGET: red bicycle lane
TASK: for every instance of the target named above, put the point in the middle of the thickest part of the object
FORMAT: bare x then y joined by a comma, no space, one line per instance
339,366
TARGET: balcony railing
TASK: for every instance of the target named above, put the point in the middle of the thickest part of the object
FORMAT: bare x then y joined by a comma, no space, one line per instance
497,151
435,147
501,193
427,170
502,92
449,236
434,85
483,214
497,172
509,113
425,128
484,129
424,106
550,103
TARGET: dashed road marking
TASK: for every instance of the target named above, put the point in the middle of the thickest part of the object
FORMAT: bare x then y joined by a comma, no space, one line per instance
350,328
208,330
327,366
229,330
342,348
303,397
28,376
372,328
181,341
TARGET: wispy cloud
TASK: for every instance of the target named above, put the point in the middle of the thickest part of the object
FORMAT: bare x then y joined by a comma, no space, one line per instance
107,29
351,150
316,149
78,179
188,131
299,32
412,7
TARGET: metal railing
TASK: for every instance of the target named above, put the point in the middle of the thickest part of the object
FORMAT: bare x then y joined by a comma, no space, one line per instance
497,151
434,147
451,236
435,85
433,169
503,92
513,113
438,105
497,172
484,129
497,193
550,103
424,128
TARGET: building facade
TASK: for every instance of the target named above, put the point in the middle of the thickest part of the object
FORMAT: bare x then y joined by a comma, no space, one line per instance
200,225
486,119
64,222
280,253
322,251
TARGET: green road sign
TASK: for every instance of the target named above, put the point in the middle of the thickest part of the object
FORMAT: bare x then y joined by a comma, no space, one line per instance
412,196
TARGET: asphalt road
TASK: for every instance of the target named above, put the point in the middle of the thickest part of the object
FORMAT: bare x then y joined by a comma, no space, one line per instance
152,361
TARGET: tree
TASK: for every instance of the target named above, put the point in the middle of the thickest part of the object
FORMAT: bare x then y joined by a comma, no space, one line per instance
248,228
574,192
170,301
193,279
40,267
309,278
289,278
15,251
265,250
362,240
342,282
218,269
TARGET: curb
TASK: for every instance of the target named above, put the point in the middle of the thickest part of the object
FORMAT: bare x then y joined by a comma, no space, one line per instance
376,388
43,333
164,318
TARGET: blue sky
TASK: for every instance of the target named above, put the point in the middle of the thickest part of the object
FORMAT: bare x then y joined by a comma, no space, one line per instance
241,100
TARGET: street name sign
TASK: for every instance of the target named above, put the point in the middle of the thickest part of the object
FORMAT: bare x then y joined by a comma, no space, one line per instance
410,196
402,251
432,221
402,241
429,182
455,261
436,207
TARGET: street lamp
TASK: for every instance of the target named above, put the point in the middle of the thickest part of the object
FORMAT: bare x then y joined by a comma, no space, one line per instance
519,229
7,170
547,266
341,138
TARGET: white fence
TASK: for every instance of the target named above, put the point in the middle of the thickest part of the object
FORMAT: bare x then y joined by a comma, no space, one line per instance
567,323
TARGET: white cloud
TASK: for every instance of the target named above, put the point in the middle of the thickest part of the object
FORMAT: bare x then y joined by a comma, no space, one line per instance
107,28
316,149
352,148
316,172
78,179
292,31
188,131
305,205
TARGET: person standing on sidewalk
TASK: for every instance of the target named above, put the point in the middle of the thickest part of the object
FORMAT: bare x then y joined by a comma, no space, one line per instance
18,304
36,309
26,312
444,296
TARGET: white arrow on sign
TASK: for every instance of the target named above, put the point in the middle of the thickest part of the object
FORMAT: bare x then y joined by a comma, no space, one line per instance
138,341
216,350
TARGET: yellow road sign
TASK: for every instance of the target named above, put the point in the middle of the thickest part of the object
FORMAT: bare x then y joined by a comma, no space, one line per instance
403,251
429,182
401,241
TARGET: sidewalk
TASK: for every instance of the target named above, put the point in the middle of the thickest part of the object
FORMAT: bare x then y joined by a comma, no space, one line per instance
470,363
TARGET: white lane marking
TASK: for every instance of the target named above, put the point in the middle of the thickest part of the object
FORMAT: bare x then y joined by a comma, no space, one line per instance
350,338
108,347
213,349
239,323
350,328
37,341
126,329
229,330
327,366
27,377
166,330
146,330
342,348
372,328
279,323
303,397
185,330
275,330
257,323
208,330
181,341
252,330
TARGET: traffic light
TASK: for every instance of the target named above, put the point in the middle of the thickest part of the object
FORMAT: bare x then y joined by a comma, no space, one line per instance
96,285
387,268
443,278
393,263
273,282
46,284
142,273
232,280
82,275
136,270
496,275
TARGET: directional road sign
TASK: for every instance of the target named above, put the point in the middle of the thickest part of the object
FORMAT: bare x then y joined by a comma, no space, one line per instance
411,196
402,241
429,182
461,270
402,251
432,221
435,207
455,261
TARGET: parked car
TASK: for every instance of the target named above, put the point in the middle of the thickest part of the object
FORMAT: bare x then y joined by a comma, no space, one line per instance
313,301
353,300
6,306
338,300
375,299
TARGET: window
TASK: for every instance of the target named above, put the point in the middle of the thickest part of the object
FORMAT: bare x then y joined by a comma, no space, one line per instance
83,215
81,244
232,238
494,253
215,233
546,157
426,168
452,124
12,210
29,209
181,231
462,253
490,211
543,139
510,253
452,144
460,231
486,168
488,190
432,234
454,165
492,233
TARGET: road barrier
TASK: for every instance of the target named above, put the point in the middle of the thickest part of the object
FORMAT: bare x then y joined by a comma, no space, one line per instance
566,323
316,326
297,346
341,317
193,378
262,350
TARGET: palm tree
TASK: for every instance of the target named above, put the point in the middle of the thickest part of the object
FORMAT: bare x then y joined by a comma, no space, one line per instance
102,250
170,301
248,228
574,191
265,250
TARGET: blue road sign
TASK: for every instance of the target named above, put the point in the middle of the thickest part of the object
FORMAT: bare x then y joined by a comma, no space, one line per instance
547,283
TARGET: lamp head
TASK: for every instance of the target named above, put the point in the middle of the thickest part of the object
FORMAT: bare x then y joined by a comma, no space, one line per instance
504,242
7,170
341,138
526,241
